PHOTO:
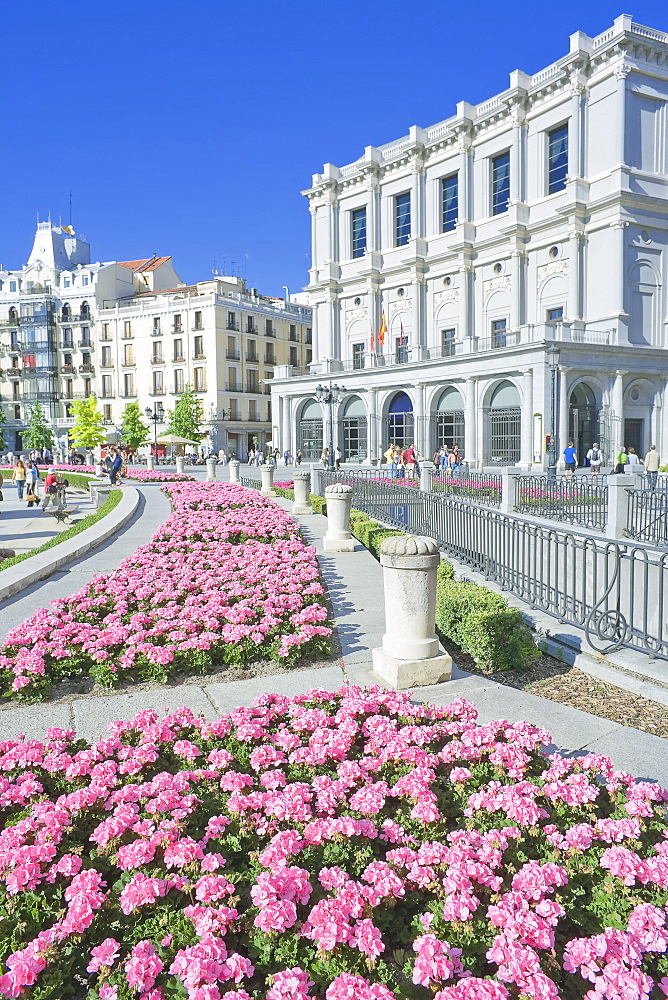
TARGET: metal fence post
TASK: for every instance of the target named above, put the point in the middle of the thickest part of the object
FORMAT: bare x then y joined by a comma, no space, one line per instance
426,484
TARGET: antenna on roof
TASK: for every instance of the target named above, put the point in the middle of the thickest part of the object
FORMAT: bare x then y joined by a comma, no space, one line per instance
233,263
246,256
224,264
214,269
70,209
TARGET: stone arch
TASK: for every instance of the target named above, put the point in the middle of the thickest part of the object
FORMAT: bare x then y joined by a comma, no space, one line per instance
503,423
641,415
447,418
398,421
584,418
354,430
310,430
497,317
644,304
552,293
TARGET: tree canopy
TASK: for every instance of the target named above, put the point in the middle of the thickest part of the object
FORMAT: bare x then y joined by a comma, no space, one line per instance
186,417
134,431
38,435
88,429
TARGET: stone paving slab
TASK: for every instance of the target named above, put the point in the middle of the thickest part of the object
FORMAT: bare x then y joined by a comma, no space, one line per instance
33,720
93,715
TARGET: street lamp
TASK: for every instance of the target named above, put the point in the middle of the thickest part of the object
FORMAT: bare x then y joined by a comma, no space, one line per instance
329,395
553,360
156,415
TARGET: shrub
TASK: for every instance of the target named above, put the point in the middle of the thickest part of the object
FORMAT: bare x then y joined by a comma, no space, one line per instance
327,846
318,503
481,623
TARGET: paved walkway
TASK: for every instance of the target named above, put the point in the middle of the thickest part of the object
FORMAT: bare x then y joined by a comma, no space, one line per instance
24,528
355,586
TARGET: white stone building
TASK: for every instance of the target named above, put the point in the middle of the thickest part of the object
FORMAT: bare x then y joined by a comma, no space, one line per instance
535,220
132,331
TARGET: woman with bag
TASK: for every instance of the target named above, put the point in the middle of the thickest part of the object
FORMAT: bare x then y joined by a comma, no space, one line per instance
19,477
32,479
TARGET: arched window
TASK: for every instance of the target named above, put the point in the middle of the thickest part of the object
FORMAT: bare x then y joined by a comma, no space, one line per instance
66,312
449,424
400,421
644,305
583,421
504,426
354,430
310,431
85,311
13,315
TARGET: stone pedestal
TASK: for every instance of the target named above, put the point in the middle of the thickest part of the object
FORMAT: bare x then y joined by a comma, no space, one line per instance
426,484
302,484
101,496
180,464
619,491
234,471
210,470
410,655
267,474
337,537
150,462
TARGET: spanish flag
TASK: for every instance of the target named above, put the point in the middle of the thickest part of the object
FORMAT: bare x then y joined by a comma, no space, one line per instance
68,230
382,331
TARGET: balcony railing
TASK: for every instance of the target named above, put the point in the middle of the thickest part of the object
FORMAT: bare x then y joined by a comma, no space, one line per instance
71,395
269,359
87,369
87,344
157,392
9,322
178,358
177,328
253,358
233,387
270,333
251,330
156,332
128,363
157,359
233,355
68,370
13,372
36,345
107,364
75,318
198,356
233,326
199,388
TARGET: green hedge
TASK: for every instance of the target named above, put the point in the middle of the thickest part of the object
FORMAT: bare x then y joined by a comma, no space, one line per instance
318,503
368,532
281,491
481,623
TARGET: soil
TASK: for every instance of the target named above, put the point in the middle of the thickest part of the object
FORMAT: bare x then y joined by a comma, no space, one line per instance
549,678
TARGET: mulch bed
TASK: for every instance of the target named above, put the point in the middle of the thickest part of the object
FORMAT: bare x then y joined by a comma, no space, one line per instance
549,678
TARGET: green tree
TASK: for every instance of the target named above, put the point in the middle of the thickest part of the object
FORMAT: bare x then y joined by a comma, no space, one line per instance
38,434
3,444
186,417
87,430
134,430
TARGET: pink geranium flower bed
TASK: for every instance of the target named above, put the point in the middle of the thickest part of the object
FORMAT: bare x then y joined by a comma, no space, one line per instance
340,847
140,475
226,579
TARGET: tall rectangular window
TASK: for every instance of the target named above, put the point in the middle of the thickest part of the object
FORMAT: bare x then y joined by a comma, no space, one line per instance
557,159
448,342
198,319
106,357
128,385
269,328
499,333
178,350
449,202
128,355
358,355
199,379
292,360
178,380
106,386
156,324
158,385
231,321
127,329
105,332
402,219
500,183
199,347
358,231
178,326
106,412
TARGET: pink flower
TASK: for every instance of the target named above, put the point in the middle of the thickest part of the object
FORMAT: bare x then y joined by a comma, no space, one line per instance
105,954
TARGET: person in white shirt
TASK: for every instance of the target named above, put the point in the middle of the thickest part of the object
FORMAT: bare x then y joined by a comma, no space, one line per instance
595,457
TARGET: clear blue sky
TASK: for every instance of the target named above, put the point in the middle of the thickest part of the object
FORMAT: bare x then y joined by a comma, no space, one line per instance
189,128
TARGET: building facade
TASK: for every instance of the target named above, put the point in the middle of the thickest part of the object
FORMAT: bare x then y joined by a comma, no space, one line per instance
132,331
504,270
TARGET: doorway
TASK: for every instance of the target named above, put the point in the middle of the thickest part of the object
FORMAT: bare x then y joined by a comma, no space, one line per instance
634,434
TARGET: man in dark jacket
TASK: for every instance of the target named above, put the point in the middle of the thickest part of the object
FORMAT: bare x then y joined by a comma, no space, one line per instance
116,465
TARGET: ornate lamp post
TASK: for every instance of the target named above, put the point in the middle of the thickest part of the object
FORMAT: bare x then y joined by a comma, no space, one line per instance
156,415
553,360
328,395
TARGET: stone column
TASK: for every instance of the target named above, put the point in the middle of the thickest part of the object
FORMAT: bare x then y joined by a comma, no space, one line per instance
285,424
463,208
180,464
619,280
267,475
337,537
372,181
210,470
516,289
527,420
621,74
372,427
233,466
418,414
426,484
410,655
150,462
563,414
516,165
617,407
302,484
575,131
573,276
470,423
509,478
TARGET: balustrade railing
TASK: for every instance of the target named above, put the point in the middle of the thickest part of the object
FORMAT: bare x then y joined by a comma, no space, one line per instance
568,498
648,515
478,487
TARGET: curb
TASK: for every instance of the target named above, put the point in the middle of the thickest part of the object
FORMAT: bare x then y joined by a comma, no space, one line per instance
15,579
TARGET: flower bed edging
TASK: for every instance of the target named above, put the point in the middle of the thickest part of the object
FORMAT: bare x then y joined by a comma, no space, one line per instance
328,847
16,578
226,579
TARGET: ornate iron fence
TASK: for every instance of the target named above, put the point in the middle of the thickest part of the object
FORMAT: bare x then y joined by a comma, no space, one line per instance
648,516
574,499
617,593
478,487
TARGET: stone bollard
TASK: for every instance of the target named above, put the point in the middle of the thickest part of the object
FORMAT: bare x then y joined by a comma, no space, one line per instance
210,470
302,484
426,484
337,537
316,479
150,462
410,655
180,464
267,474
234,466
619,498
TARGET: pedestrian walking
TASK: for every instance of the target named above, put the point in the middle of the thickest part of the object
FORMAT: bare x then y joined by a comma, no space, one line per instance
633,458
50,489
570,459
595,456
410,462
324,457
652,465
337,458
32,479
116,466
299,457
621,460
19,477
